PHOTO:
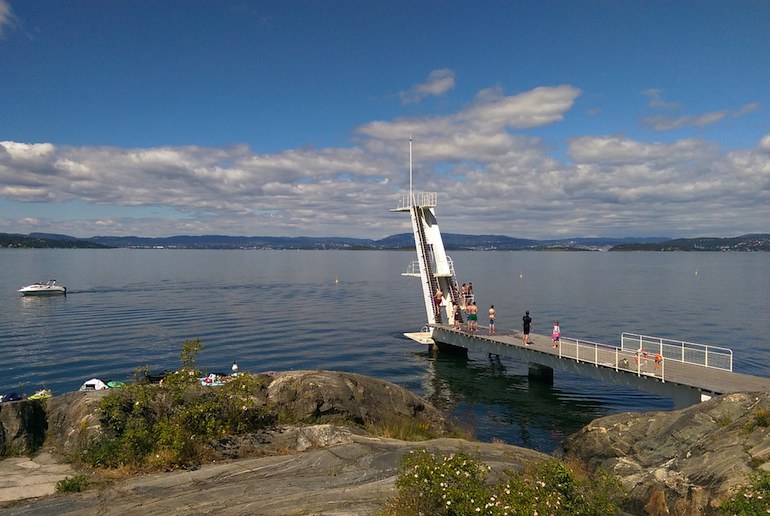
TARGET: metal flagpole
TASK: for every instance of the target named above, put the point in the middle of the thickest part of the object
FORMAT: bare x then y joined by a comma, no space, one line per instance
411,193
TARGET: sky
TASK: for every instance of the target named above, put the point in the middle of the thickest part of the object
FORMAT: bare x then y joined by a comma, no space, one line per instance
532,119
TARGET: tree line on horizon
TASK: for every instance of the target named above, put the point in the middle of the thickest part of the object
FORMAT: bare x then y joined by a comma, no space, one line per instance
401,241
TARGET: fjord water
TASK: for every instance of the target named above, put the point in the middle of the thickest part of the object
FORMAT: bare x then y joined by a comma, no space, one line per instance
347,310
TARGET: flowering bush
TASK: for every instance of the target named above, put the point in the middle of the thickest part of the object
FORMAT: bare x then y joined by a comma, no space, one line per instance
751,499
436,484
448,484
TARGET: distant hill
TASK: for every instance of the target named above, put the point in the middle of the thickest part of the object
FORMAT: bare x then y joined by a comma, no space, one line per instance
34,241
452,241
233,242
457,241
752,242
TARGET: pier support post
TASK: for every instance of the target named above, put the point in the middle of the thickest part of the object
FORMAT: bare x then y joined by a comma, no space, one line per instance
541,374
450,349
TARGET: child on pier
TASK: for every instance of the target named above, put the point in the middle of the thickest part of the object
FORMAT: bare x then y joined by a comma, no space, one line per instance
556,334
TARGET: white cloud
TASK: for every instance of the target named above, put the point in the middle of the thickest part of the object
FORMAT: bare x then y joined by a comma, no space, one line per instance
491,113
764,143
656,99
618,150
493,177
666,123
437,83
7,18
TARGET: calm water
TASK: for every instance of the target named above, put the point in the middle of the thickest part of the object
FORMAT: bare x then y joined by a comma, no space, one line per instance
282,310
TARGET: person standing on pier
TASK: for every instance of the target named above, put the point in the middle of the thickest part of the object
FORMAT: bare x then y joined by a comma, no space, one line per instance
492,319
556,334
473,317
526,326
456,317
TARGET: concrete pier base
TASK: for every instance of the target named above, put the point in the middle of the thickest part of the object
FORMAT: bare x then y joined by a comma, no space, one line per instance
540,374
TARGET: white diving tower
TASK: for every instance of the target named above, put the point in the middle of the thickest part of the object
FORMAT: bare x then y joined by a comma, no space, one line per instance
433,266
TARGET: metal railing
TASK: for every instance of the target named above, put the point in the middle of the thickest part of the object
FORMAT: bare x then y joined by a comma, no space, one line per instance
642,354
680,351
421,200
635,361
413,269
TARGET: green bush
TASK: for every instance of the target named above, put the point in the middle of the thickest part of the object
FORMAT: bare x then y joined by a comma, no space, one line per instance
751,499
189,353
74,484
172,425
554,487
453,484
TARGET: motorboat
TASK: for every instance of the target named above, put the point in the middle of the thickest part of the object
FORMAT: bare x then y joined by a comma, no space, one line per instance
43,289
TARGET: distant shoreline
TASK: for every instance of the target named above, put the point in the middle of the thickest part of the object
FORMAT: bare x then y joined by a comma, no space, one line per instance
399,242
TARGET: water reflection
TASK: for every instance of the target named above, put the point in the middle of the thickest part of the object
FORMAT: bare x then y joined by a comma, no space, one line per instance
496,400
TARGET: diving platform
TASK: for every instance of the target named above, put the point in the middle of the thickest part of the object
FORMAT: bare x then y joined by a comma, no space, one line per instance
421,337
685,372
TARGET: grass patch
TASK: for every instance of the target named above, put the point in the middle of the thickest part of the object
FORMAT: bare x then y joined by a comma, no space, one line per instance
403,428
74,484
760,418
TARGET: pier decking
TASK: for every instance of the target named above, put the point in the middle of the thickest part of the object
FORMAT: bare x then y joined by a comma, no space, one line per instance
686,382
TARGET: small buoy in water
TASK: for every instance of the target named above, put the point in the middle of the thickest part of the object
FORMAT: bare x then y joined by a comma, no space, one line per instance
336,279
521,275
696,272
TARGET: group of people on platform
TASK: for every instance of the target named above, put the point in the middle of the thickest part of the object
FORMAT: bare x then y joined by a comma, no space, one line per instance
472,312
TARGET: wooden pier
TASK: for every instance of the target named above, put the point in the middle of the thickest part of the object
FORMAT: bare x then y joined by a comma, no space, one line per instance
659,371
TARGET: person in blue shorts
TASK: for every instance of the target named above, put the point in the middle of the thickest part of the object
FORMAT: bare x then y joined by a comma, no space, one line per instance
492,320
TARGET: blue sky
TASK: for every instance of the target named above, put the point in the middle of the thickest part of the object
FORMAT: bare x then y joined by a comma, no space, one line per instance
533,119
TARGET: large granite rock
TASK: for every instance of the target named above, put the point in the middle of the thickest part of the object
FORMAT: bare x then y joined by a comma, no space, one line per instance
73,418
22,427
683,462
291,469
351,474
336,396
298,396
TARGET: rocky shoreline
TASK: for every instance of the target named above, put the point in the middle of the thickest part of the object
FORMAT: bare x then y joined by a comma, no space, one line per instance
681,462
